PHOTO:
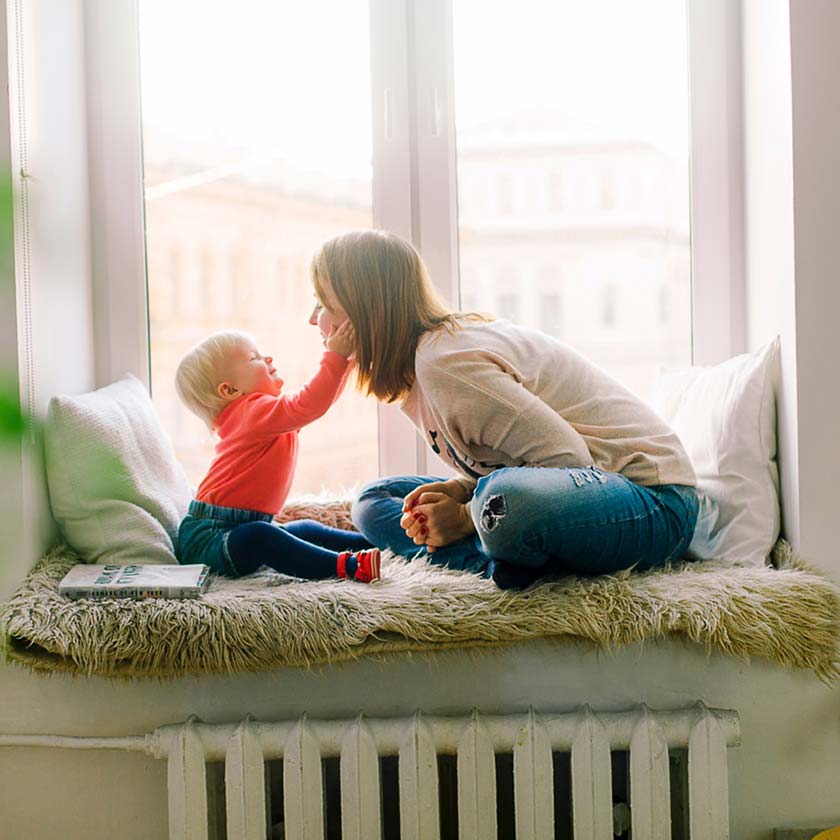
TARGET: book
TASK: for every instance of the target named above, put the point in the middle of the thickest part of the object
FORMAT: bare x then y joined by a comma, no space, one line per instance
134,581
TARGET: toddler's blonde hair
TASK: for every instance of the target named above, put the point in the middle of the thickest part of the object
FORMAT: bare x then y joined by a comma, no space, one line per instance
200,373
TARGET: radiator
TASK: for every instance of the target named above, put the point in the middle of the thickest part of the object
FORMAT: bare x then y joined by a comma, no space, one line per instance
532,738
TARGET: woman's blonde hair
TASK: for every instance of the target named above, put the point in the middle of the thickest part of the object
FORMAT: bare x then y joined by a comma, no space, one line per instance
202,370
382,284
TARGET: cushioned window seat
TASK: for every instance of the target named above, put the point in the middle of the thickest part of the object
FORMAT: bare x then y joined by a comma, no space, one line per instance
117,492
788,614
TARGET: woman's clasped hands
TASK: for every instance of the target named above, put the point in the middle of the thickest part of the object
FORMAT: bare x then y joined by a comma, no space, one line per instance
436,514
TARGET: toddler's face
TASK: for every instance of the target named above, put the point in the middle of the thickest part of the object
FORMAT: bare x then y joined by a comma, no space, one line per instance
249,372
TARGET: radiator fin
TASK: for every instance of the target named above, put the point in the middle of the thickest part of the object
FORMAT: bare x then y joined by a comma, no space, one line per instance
650,783
187,783
533,782
476,782
303,789
360,808
245,785
419,813
591,780
708,786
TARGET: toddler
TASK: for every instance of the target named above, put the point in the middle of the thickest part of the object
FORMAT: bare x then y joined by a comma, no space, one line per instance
230,385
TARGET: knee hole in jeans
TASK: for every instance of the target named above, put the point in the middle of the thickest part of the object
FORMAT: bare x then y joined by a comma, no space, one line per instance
493,511
497,541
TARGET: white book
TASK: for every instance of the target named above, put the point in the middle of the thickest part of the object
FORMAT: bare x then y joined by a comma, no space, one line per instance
134,581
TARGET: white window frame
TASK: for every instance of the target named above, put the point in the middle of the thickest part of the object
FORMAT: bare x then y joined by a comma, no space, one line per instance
718,284
115,155
414,178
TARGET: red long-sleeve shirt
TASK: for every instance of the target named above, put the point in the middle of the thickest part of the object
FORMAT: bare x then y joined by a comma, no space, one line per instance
258,441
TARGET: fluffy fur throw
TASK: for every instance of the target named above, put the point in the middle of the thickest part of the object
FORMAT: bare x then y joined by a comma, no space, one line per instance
788,614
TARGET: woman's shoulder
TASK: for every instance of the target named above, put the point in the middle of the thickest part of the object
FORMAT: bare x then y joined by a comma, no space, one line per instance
498,335
500,343
460,336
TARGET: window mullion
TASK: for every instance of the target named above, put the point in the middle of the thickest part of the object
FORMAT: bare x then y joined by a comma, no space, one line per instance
434,172
393,185
436,228
717,214
118,263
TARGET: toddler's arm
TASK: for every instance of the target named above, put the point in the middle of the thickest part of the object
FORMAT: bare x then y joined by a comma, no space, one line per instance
276,415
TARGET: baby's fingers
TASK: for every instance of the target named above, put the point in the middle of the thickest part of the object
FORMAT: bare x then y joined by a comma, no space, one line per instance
411,499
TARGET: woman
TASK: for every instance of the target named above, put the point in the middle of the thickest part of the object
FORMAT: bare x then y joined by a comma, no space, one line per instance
562,469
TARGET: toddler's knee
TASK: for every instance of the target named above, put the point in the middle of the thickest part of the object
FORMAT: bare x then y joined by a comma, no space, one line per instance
243,547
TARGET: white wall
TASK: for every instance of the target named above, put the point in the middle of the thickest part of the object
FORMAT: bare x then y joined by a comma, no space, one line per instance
815,76
792,203
52,293
717,257
53,243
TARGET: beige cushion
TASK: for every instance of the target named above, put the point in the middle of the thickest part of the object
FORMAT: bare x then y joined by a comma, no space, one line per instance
116,489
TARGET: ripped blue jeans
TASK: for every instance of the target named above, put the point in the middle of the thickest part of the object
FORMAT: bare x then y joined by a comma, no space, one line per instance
535,522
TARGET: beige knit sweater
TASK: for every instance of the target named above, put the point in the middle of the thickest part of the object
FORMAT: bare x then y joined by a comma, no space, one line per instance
494,394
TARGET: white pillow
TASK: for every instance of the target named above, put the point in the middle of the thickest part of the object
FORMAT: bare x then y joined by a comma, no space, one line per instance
116,489
725,416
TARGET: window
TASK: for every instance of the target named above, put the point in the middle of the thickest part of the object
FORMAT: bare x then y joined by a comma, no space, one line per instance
607,190
599,113
574,82
504,194
255,151
664,301
556,192
550,314
507,306
608,305
204,287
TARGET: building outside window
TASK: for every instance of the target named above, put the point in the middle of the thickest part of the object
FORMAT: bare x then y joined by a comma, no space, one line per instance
507,306
504,193
601,112
557,189
254,169
550,314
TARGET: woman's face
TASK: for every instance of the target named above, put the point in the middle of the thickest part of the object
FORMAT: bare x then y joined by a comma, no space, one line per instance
329,316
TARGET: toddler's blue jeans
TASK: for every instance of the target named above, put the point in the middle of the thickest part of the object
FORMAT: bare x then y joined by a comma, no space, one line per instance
236,542
535,522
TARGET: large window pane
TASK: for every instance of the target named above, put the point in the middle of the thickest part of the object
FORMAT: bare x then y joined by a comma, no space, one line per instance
257,147
572,142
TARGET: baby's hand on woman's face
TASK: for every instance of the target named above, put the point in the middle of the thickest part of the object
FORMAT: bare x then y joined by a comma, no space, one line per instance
342,339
